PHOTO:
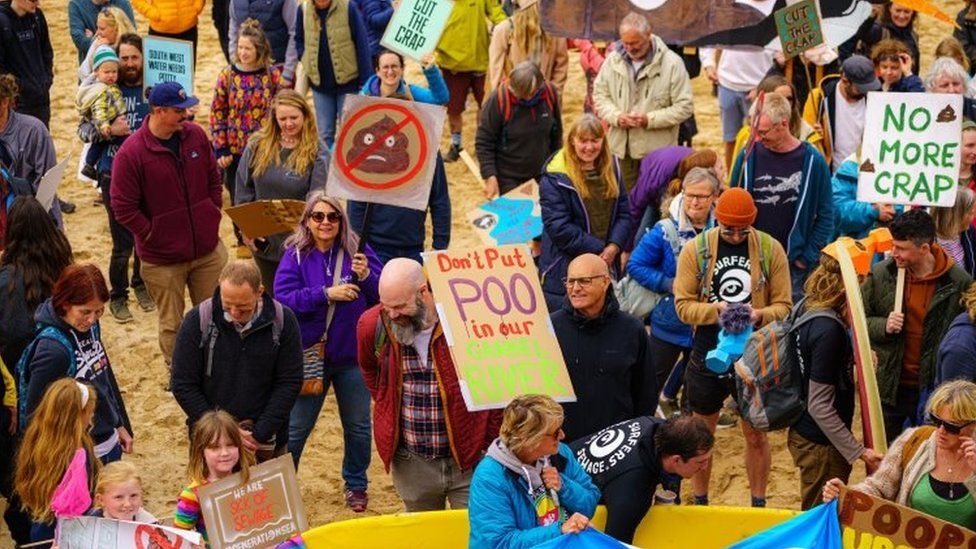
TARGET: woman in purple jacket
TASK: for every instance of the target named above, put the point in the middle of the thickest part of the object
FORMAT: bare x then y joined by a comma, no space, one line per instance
328,284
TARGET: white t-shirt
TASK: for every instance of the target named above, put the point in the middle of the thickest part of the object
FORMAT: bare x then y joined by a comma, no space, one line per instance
848,127
739,70
421,344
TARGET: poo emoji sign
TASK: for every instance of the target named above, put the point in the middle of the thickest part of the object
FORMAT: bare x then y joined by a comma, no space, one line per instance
496,323
386,151
910,153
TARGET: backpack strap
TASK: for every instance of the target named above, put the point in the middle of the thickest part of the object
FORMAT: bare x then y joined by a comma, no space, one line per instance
914,442
701,249
765,256
208,334
279,322
670,229
48,332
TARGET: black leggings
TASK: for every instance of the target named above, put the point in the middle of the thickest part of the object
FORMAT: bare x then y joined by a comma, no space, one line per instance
664,357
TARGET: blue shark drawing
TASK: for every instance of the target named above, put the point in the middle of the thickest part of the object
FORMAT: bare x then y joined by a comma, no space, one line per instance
515,223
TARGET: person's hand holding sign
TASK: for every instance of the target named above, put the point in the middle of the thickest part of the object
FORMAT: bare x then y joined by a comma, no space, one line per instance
427,60
491,187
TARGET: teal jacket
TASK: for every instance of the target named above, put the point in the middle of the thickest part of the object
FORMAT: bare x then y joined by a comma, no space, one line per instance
878,293
502,516
852,218
813,226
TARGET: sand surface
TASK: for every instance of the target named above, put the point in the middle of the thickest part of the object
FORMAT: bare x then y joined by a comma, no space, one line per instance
160,435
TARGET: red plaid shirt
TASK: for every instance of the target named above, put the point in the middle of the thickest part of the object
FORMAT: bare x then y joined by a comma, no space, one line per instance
422,415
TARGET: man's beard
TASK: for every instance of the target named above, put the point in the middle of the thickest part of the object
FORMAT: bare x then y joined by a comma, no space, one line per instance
130,77
406,334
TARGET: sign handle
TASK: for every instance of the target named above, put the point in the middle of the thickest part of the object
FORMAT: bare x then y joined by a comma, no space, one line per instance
900,290
469,162
364,230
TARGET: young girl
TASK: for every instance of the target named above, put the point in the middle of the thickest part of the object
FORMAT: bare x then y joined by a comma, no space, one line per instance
118,494
56,464
242,99
110,25
215,453
893,62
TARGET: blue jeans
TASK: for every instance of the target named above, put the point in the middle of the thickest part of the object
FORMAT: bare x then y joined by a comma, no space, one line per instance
353,399
328,107
42,532
115,454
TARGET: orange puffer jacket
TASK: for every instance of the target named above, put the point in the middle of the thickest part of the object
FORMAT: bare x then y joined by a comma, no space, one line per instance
170,16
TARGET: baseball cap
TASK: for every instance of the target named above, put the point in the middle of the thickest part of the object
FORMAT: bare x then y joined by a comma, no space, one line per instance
171,94
859,70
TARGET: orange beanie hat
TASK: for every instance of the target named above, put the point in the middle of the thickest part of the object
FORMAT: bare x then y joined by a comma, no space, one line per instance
735,208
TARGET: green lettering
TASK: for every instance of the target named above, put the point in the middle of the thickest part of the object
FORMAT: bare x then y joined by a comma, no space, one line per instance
897,120
931,154
901,185
913,119
910,153
943,183
877,182
889,147
948,151
921,186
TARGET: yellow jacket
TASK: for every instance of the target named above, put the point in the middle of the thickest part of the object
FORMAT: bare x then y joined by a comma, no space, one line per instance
170,16
464,45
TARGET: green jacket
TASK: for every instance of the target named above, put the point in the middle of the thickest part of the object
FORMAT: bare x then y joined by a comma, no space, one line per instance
464,45
340,42
878,293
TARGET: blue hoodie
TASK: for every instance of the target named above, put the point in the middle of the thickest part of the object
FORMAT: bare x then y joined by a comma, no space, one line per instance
851,218
813,226
957,352
437,94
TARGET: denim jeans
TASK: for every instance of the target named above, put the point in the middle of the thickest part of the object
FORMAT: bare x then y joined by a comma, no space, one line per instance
353,400
328,107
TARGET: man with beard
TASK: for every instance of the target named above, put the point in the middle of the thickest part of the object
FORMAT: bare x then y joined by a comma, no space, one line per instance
166,189
136,109
423,430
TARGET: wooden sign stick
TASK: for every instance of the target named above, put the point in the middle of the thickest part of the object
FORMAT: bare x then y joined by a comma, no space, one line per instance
900,290
470,163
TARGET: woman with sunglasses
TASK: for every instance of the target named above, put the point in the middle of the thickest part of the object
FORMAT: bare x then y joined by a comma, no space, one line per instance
283,160
328,283
931,468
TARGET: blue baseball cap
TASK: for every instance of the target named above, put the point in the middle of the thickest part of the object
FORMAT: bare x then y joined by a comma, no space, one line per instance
171,94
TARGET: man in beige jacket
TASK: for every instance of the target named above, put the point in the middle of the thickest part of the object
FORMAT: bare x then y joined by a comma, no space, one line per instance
643,92
731,263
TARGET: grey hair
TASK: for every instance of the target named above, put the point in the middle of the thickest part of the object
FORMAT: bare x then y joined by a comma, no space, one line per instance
776,108
241,271
302,239
699,175
637,22
525,79
947,66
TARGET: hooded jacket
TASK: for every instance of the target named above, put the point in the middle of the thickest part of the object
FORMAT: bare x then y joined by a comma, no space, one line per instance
250,377
170,16
463,46
813,224
819,109
436,94
170,204
552,56
878,293
50,362
654,264
957,351
851,217
661,89
26,52
501,515
566,226
657,169
609,365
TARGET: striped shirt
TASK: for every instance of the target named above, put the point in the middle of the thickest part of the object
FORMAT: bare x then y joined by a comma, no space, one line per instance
188,515
422,414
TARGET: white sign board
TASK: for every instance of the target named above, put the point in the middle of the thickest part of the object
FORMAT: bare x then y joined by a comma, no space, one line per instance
910,153
48,187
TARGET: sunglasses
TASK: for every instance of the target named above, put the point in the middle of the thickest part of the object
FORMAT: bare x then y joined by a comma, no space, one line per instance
951,428
318,217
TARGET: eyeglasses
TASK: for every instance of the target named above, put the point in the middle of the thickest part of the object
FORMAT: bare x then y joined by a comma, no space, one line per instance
697,197
318,217
735,232
555,434
951,428
583,281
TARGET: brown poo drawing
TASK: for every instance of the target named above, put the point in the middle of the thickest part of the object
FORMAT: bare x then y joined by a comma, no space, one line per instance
947,114
867,166
388,157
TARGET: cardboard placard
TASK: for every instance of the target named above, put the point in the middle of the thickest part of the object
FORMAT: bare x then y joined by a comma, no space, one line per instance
266,217
261,513
167,60
416,27
910,153
513,218
47,189
867,521
495,319
386,151
798,26
103,533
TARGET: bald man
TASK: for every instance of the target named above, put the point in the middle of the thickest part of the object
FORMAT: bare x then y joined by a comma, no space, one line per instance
423,431
606,352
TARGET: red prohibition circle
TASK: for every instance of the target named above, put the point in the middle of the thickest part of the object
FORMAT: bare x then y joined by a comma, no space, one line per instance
346,169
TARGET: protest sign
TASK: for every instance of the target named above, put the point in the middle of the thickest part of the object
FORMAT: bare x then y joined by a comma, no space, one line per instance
416,26
867,521
513,218
910,153
260,513
103,533
386,151
496,323
167,60
50,181
798,26
266,217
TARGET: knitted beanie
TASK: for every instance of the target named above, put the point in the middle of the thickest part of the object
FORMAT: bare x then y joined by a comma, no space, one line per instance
735,208
102,55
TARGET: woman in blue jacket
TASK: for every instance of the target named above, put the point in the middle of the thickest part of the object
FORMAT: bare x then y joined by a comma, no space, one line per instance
529,488
584,206
388,80
654,263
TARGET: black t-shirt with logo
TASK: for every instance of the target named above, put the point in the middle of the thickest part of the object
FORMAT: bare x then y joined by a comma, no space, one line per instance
731,282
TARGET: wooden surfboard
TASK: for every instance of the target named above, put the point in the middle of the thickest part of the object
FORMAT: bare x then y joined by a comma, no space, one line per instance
872,420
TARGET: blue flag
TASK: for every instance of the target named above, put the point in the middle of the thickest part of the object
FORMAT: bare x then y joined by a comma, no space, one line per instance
590,538
817,528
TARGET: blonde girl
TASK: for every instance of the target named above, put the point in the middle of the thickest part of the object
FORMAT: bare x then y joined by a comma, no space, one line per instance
215,453
111,24
57,438
118,494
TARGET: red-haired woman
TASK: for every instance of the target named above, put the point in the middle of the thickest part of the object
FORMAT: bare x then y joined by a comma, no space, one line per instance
68,344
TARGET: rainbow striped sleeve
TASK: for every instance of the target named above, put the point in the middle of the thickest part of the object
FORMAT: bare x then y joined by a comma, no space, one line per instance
188,511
